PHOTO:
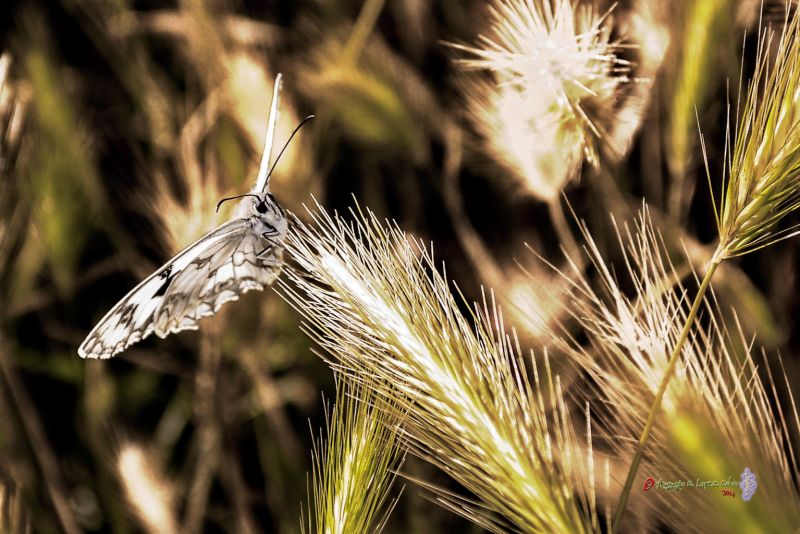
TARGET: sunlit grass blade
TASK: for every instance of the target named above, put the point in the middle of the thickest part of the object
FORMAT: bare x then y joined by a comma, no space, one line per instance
147,491
699,25
14,212
14,515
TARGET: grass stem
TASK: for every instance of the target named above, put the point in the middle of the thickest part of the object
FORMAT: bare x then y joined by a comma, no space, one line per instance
361,30
662,388
40,447
564,233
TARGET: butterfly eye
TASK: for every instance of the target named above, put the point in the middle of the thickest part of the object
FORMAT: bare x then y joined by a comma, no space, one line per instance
261,207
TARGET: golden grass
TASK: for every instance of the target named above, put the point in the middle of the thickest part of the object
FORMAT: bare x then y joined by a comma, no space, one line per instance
534,443
375,303
355,467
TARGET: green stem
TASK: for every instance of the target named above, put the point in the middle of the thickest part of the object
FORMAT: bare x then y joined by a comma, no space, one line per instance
662,388
361,30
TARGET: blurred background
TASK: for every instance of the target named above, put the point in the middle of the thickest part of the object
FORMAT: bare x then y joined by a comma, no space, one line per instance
122,124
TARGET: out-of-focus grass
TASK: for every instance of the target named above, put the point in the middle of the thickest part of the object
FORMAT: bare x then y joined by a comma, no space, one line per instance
59,179
701,51
13,512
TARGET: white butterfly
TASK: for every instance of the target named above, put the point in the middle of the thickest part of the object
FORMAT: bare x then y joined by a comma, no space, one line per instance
243,254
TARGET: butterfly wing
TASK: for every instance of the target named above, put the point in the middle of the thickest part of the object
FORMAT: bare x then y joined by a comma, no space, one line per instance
235,266
217,268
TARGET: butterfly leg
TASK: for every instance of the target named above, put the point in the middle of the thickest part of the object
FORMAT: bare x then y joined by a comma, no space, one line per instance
271,262
268,237
269,258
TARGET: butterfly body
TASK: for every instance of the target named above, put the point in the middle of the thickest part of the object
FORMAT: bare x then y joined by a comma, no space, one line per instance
241,255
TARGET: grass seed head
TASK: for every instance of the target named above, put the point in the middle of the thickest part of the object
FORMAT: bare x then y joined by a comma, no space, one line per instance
762,178
355,469
375,302
555,77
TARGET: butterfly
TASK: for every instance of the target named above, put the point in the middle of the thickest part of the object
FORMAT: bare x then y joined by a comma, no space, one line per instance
243,254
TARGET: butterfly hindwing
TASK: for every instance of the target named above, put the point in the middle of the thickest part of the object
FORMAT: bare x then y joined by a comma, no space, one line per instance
194,284
229,270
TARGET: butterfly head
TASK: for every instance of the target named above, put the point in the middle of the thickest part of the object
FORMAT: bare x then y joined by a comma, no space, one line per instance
269,213
259,205
267,207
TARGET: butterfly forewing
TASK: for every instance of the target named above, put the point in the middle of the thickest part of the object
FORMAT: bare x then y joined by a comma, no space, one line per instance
218,268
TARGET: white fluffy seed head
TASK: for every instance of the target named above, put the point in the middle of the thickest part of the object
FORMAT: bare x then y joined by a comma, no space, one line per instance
555,77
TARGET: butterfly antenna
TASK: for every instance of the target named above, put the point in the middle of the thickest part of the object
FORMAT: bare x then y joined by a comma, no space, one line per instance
234,198
263,171
297,129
